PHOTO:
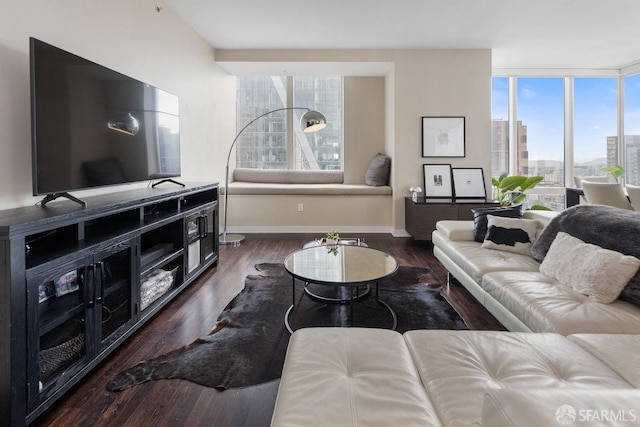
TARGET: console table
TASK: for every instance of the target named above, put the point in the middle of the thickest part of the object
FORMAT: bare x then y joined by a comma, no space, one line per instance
420,217
75,282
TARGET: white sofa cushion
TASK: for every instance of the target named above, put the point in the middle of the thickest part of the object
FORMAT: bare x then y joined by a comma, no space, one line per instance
535,408
456,230
618,351
351,377
476,262
545,305
458,367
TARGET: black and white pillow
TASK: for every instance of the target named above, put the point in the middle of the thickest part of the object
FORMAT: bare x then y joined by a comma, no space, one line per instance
480,218
510,234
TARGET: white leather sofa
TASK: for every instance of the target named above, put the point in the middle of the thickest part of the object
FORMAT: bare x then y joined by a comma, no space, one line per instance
374,377
522,298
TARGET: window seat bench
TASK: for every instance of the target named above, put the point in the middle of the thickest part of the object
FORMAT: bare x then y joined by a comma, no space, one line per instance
297,182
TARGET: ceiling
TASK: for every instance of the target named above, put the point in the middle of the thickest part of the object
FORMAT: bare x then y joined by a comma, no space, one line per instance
565,34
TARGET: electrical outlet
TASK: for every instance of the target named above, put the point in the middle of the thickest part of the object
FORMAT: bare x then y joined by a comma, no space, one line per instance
300,207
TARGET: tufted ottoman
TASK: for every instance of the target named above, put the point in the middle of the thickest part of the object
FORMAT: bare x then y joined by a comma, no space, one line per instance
371,377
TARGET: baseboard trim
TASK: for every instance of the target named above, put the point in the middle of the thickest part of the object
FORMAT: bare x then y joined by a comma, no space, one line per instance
311,229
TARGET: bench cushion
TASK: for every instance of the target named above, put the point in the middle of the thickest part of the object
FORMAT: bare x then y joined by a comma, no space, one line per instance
286,176
254,188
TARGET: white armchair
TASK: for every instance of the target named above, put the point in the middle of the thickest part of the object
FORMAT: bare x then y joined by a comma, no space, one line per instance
634,195
600,178
604,193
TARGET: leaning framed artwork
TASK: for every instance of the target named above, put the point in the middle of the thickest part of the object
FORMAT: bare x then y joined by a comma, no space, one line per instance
443,137
468,183
437,182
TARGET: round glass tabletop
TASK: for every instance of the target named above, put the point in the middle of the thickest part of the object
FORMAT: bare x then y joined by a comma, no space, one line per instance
340,265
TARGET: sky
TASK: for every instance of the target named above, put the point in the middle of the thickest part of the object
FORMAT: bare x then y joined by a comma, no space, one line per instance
540,107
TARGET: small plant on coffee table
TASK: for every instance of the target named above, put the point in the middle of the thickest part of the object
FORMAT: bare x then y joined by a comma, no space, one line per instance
333,235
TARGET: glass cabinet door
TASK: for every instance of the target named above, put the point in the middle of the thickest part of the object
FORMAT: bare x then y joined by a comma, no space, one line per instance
201,239
209,238
113,292
58,342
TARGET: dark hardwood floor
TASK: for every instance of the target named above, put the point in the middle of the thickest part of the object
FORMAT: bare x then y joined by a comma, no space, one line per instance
193,314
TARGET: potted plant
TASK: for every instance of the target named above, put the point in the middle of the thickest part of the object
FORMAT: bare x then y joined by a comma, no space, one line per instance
333,237
616,171
510,190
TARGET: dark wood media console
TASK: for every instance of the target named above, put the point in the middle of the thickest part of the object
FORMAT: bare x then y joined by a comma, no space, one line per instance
420,217
78,281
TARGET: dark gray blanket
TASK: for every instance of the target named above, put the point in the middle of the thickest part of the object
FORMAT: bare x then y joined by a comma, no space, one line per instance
608,227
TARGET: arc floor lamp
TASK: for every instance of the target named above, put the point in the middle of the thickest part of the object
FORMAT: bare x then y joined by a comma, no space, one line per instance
311,121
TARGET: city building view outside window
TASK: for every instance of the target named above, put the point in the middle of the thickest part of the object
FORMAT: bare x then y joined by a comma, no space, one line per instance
541,115
276,141
631,130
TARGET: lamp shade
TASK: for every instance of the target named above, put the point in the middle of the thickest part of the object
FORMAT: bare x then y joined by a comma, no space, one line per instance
312,121
124,123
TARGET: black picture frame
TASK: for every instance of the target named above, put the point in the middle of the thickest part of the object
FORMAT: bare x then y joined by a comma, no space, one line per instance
468,183
437,181
443,136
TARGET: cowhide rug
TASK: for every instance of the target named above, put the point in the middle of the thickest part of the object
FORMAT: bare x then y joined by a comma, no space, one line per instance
248,344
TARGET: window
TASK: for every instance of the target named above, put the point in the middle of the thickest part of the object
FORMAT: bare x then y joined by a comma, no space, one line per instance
540,106
276,141
631,162
499,126
558,115
595,124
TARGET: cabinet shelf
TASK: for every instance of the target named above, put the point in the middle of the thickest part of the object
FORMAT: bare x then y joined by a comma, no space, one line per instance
159,262
59,311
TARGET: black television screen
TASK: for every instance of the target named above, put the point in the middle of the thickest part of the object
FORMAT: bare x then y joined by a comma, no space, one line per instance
92,126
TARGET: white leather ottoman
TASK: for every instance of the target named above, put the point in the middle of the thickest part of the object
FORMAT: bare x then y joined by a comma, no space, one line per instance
373,377
350,377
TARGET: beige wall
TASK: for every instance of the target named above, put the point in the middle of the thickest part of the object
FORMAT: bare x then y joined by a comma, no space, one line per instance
131,37
364,125
417,83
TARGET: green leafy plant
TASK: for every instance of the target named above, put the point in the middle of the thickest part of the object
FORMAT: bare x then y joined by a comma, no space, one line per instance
616,171
510,190
333,235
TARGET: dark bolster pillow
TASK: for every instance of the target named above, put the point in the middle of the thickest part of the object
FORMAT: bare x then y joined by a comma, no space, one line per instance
480,218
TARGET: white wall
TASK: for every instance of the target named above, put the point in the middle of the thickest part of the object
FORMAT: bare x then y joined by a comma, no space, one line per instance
131,37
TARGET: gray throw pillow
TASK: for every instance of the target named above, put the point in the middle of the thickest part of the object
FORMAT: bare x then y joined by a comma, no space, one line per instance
378,173
480,218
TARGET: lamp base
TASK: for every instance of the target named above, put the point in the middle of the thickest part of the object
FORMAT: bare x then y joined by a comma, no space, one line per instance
231,239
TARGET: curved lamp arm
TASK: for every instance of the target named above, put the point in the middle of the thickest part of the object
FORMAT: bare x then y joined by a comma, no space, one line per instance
312,121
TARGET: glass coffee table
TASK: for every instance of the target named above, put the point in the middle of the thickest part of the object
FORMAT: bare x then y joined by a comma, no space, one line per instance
347,266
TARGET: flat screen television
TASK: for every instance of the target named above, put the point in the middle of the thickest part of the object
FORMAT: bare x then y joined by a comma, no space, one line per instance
93,127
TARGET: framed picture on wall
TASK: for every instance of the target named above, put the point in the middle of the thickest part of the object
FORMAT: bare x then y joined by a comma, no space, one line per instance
468,183
437,182
443,137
